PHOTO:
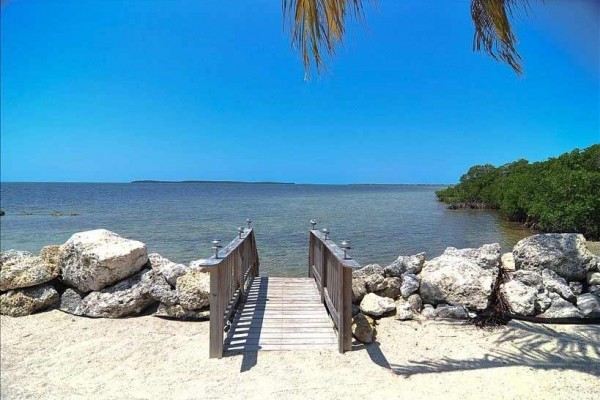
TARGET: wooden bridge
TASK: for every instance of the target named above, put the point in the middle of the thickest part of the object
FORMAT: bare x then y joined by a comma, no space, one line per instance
250,313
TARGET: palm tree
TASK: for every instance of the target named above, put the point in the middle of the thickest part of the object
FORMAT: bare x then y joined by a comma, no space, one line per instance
317,28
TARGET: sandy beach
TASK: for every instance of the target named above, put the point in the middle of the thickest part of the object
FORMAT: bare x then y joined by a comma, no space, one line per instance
55,355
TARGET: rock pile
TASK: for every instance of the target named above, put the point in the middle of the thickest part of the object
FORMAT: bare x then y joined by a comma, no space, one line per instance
100,274
550,276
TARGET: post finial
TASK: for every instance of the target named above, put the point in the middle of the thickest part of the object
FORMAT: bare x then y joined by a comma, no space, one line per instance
326,232
313,223
241,231
216,245
346,246
249,222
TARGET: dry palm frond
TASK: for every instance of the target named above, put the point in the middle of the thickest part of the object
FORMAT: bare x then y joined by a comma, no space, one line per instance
493,31
318,26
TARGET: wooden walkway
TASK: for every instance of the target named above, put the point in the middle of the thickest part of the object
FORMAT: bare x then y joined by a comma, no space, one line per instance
281,314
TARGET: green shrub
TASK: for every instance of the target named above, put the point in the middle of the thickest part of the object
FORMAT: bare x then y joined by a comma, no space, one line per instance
560,194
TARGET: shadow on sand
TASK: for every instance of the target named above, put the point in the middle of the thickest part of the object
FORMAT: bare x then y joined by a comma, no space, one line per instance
535,346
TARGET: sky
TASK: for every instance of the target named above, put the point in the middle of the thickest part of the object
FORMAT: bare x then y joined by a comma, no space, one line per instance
117,90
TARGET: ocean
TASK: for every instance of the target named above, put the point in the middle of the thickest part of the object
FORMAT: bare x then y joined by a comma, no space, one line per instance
179,220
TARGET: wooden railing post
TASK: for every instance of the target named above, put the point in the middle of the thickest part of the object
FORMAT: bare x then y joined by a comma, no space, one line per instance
216,316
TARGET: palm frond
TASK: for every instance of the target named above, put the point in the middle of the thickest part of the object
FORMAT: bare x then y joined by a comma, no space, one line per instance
317,27
493,30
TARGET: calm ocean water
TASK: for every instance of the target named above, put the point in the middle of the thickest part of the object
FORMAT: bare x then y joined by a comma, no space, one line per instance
178,220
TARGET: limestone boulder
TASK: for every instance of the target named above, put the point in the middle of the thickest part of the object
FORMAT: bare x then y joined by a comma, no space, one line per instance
368,270
403,310
428,312
26,271
576,288
51,254
128,297
508,261
461,277
390,287
70,301
560,308
27,301
415,302
193,290
446,311
410,284
168,269
363,328
376,306
593,278
12,255
528,278
359,289
563,253
374,283
176,311
542,301
162,292
411,264
96,259
554,283
487,256
589,305
520,297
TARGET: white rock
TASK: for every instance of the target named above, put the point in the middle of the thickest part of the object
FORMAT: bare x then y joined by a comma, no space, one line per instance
542,301
554,283
508,261
128,297
95,259
193,290
170,270
589,305
410,284
428,312
461,277
376,306
487,256
560,308
411,264
529,278
520,297
593,278
564,253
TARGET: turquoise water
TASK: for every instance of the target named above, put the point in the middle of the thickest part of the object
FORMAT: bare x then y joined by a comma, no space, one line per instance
178,220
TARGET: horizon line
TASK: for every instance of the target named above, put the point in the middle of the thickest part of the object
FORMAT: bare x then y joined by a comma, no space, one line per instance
146,181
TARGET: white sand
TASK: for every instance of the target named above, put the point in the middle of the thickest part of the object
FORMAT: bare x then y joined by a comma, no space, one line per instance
57,356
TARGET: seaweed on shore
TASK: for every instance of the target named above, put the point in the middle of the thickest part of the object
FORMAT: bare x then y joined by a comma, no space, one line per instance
498,311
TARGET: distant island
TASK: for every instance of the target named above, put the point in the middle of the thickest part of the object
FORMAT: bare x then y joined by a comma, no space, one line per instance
265,182
557,195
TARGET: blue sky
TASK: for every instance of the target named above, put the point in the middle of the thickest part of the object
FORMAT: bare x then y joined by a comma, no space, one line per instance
122,90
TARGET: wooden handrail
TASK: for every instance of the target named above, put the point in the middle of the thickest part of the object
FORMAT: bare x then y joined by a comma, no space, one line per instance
333,275
229,275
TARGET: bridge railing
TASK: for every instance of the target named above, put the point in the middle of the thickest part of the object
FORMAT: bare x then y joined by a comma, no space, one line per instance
230,272
332,272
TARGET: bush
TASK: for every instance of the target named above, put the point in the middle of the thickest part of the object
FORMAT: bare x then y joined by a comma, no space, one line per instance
560,194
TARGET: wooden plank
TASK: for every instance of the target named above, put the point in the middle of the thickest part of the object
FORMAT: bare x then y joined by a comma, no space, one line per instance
287,347
275,341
